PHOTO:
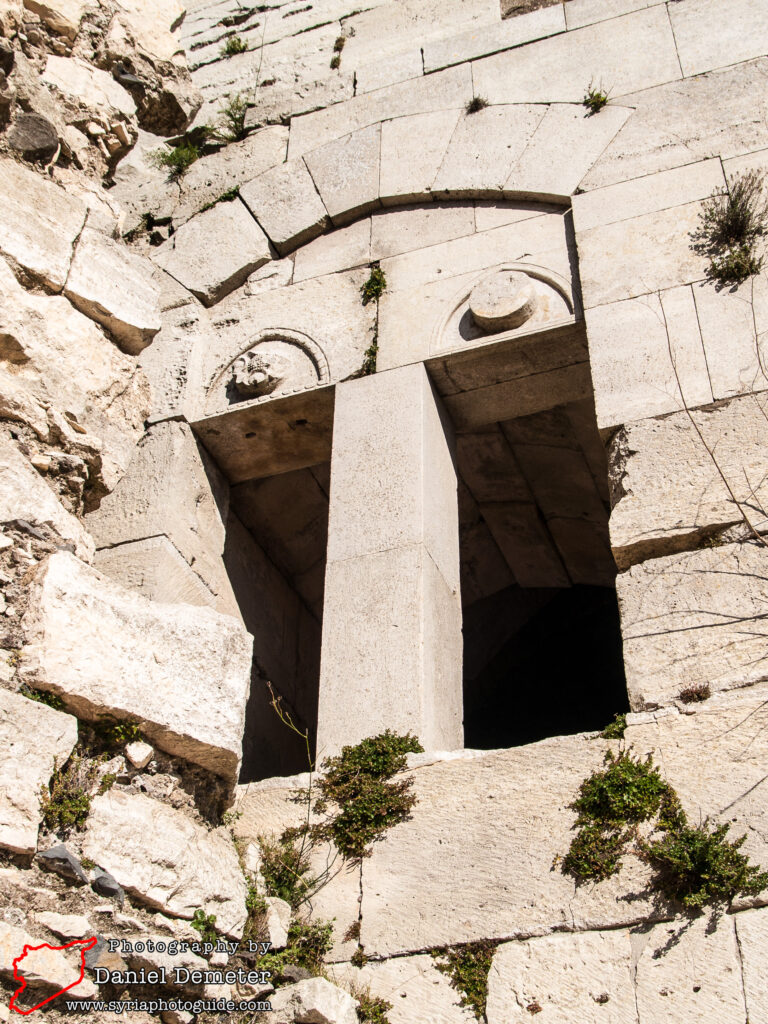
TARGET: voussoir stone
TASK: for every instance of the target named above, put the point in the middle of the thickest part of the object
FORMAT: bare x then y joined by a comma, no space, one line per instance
115,287
108,651
286,204
164,859
33,739
201,256
39,225
44,969
313,1001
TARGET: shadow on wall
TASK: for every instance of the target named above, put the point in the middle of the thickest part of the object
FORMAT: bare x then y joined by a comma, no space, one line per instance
561,673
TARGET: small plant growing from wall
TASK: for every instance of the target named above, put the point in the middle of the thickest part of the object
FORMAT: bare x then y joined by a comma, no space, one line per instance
595,99
233,46
733,221
467,966
338,46
232,119
476,104
695,694
615,729
66,804
205,924
374,287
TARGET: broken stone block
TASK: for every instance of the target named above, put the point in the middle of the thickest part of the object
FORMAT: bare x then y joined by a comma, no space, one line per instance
108,651
105,885
278,921
90,87
44,969
61,16
33,739
114,286
201,256
162,858
34,137
66,926
39,225
25,495
139,754
285,202
59,860
314,1000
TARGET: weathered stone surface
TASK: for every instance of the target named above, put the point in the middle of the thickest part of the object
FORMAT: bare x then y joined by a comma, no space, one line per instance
314,1001
733,325
415,227
285,202
346,174
390,70
233,165
114,286
278,919
91,87
39,225
670,489
33,739
586,978
61,16
694,618
559,69
706,40
201,256
412,150
752,933
25,495
152,31
138,662
34,137
66,926
155,569
165,860
487,39
339,250
412,985
586,12
154,959
139,753
44,969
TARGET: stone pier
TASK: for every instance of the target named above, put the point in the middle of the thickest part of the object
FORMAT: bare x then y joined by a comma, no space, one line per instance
392,646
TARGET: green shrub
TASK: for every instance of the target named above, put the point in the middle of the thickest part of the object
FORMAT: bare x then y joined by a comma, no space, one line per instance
205,924
66,803
615,729
233,46
335,62
372,1010
285,868
595,853
476,104
735,266
595,99
110,733
732,221
178,159
374,287
309,942
338,46
695,694
232,119
467,966
626,792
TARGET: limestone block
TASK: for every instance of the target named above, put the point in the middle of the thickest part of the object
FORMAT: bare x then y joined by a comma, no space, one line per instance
285,202
91,87
413,986
315,1000
559,69
141,186
727,318
236,163
167,490
109,651
155,959
339,250
154,568
706,116
114,286
201,256
346,174
25,495
579,13
412,150
33,739
647,194
483,149
39,225
691,619
752,933
415,227
524,540
502,882
539,172
167,861
153,29
390,70
636,346
61,16
670,492
278,921
707,40
45,970
586,977
487,39
11,15
66,926
696,978
443,90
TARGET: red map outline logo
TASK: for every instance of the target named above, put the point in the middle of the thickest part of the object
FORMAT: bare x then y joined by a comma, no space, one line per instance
85,945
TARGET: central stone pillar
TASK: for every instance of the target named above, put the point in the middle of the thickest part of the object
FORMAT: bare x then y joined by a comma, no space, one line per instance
392,647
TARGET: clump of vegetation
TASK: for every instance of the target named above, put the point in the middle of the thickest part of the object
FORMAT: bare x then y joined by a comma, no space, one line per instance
338,46
205,924
358,958
615,729
595,99
108,733
370,358
226,197
43,697
178,159
358,782
695,694
698,865
309,942
374,287
335,61
233,46
476,104
107,782
67,803
285,868
732,222
232,118
467,966
371,1009
694,866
